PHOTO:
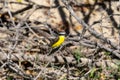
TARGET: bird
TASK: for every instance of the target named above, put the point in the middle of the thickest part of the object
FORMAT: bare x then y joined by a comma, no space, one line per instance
59,40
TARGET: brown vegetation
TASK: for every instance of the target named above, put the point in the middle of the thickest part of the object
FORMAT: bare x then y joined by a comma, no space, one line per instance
91,50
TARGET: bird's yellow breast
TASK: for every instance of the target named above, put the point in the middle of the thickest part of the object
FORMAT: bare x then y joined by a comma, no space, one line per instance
59,42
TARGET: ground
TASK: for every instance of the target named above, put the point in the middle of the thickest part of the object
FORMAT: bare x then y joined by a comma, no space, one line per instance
91,47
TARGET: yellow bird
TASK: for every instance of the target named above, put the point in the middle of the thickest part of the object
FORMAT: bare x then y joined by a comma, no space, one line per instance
59,40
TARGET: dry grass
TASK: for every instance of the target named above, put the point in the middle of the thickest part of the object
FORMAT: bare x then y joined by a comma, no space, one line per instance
90,51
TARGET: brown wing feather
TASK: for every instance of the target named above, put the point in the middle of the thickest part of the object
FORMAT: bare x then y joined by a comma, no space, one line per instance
54,41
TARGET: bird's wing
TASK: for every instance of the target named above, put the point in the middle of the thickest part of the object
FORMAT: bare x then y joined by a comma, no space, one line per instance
54,41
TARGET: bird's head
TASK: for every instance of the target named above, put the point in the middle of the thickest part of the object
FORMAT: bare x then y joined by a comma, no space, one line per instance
62,33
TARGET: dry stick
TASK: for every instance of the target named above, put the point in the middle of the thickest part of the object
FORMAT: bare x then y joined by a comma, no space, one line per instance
11,17
31,29
23,20
5,54
43,58
41,72
47,38
14,45
92,31
119,26
91,44
17,27
20,72
48,14
35,30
